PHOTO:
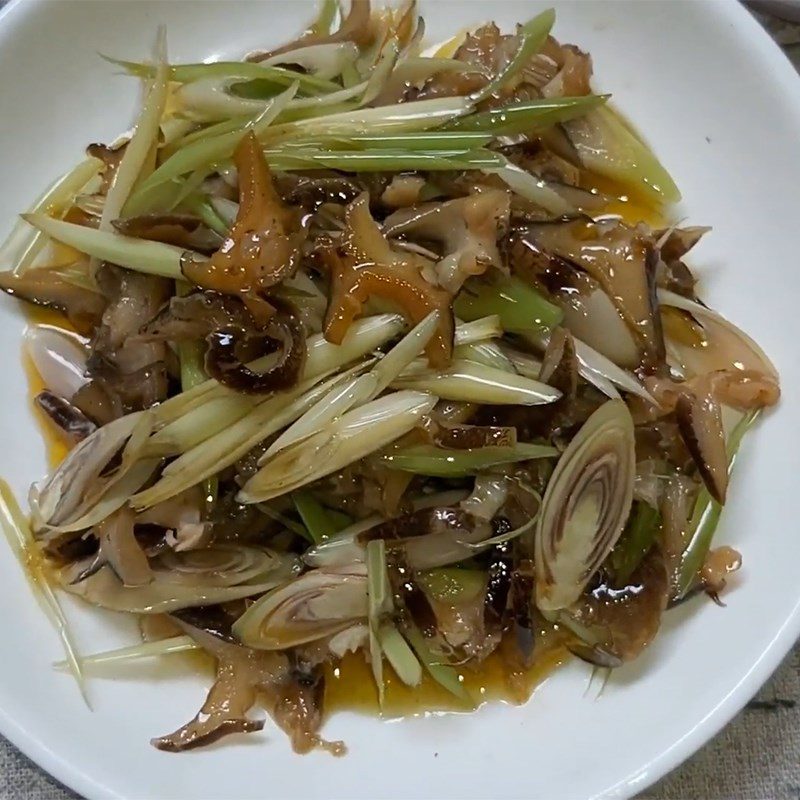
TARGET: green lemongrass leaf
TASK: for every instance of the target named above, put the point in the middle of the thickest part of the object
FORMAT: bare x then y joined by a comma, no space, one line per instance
706,515
382,160
136,652
400,142
289,524
378,600
209,151
532,35
443,463
471,382
527,117
314,516
638,537
531,187
399,655
520,307
245,70
452,585
24,244
142,142
608,147
20,539
141,255
443,674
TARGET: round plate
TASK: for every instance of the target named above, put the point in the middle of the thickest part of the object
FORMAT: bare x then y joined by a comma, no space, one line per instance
721,106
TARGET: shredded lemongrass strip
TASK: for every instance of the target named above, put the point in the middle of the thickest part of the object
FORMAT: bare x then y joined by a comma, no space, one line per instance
23,245
530,187
142,142
322,357
204,152
399,655
446,463
425,140
478,330
22,544
243,70
141,255
136,652
443,674
360,389
382,160
225,448
379,602
471,382
350,438
487,353
533,35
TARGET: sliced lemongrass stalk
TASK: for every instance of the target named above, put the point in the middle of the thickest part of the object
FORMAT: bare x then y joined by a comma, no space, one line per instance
706,515
144,138
520,307
360,389
531,187
243,70
445,675
478,330
141,255
528,116
487,353
208,132
523,363
471,382
226,210
399,655
443,463
202,423
585,507
350,438
59,357
225,448
322,357
24,245
204,152
20,539
532,35
314,516
136,652
379,602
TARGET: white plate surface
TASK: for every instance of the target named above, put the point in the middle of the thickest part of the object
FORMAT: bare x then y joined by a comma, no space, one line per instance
722,108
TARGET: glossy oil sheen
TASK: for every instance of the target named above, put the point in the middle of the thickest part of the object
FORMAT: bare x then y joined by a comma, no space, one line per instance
702,111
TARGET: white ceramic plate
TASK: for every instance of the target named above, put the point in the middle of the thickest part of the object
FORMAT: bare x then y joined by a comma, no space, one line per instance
722,108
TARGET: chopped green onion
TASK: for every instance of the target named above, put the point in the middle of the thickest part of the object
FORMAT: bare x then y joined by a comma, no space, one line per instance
314,516
443,674
520,307
399,655
442,463
136,652
706,515
142,255
638,537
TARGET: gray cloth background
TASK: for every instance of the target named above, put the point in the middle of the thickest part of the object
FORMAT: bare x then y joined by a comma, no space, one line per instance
757,757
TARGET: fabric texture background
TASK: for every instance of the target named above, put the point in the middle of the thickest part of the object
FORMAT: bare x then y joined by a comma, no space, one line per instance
756,757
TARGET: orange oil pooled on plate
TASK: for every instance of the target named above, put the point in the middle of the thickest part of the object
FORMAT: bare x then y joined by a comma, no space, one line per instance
350,686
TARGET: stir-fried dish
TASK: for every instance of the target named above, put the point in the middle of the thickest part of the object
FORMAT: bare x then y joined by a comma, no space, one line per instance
377,360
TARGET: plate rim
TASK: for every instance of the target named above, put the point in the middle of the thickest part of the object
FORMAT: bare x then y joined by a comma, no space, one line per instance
787,78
